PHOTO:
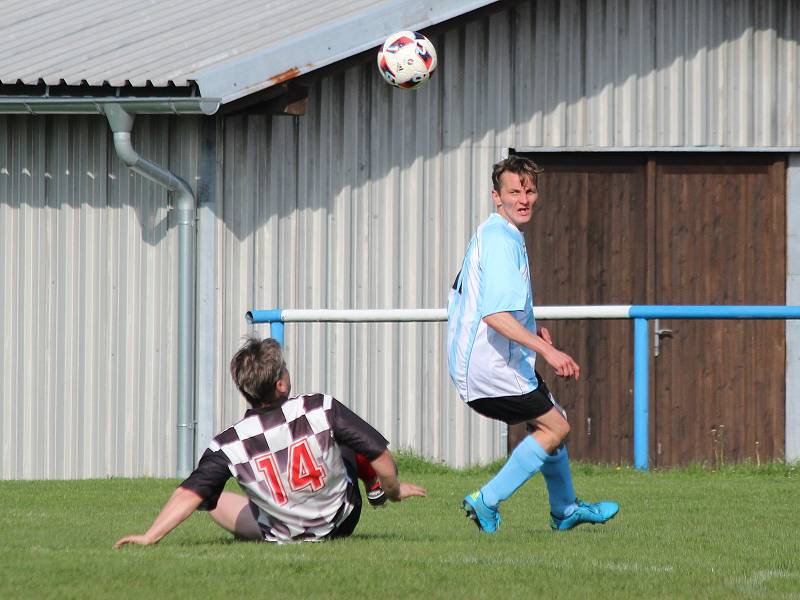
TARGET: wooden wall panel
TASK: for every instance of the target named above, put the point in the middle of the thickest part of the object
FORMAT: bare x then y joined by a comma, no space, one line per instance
666,229
721,239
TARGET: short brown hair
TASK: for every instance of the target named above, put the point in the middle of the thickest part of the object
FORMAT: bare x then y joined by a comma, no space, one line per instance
256,369
524,167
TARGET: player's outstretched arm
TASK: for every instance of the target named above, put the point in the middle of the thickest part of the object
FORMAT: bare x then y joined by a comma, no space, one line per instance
181,504
506,325
395,490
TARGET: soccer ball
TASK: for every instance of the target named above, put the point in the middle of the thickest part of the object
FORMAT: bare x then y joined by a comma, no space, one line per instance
407,59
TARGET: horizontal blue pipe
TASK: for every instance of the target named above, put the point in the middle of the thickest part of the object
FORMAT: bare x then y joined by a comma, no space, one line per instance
699,311
264,316
640,311
641,354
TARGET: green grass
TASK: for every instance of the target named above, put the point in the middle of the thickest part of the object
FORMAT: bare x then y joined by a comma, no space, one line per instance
683,533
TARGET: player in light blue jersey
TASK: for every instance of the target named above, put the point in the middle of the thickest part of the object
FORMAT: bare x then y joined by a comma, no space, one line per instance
493,343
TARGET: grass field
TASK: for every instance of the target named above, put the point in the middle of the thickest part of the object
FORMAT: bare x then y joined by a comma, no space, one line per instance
683,533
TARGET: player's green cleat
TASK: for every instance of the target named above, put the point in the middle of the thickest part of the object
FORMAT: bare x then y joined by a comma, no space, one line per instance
486,518
599,512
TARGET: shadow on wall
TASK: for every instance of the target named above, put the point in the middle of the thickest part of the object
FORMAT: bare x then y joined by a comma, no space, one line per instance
358,129
61,161
488,92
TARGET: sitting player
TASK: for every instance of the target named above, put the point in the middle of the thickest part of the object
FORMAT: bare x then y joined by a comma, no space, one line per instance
295,459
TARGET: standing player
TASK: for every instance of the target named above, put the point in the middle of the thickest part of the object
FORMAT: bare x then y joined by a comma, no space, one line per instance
493,342
295,458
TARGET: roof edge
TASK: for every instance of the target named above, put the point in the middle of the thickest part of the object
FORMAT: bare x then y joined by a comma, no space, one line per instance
325,46
36,105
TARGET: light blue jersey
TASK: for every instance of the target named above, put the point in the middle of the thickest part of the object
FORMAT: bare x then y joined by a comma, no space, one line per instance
494,278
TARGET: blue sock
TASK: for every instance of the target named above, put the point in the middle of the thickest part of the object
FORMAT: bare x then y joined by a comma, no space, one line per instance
558,478
526,459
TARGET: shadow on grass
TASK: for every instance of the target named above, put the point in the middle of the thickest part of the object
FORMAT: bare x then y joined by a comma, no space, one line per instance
227,541
387,536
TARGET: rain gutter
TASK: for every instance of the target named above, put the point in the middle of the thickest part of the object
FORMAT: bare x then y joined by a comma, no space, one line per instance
185,206
43,105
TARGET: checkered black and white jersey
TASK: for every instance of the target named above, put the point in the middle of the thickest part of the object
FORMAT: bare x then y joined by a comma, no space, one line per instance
288,461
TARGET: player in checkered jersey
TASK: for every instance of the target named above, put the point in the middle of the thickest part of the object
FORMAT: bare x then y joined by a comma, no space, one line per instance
295,459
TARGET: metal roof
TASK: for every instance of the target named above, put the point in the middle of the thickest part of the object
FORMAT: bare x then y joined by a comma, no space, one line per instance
230,49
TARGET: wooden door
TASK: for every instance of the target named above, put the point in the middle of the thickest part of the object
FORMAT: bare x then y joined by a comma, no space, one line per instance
719,386
584,244
666,229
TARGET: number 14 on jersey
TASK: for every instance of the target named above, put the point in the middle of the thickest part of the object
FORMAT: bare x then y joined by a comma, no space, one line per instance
303,471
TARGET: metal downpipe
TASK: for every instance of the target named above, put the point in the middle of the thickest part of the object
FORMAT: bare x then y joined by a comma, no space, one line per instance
185,206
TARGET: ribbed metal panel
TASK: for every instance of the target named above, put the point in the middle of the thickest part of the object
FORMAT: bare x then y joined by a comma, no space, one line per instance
624,73
88,299
325,211
229,49
147,42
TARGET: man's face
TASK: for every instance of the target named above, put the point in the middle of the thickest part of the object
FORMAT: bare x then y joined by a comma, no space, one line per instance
515,199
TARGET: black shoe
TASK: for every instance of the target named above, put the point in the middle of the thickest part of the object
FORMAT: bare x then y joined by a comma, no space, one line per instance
376,496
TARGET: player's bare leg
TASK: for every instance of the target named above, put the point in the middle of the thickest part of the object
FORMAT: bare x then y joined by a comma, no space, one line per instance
550,430
233,514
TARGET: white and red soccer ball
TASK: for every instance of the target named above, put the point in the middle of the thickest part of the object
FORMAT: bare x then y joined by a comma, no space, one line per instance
407,59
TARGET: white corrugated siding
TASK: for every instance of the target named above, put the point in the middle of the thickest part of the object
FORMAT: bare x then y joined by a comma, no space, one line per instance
323,213
623,73
365,202
88,304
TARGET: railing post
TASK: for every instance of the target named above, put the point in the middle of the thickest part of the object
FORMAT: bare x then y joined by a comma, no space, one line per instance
641,393
276,332
275,319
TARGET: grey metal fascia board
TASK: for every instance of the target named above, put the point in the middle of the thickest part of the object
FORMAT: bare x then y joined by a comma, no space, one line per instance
333,42
36,105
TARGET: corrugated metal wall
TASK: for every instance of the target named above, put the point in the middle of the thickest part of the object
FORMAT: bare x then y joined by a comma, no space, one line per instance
88,303
369,199
325,212
625,73
366,201
661,73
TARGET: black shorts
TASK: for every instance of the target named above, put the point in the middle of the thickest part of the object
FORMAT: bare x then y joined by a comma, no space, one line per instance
517,409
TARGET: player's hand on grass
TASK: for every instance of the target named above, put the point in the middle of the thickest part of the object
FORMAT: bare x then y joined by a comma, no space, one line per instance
563,364
407,490
141,540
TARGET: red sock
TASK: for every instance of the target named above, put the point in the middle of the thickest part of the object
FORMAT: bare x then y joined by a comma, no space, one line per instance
365,471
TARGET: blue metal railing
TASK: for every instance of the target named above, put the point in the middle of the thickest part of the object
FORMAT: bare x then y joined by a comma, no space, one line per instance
640,314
